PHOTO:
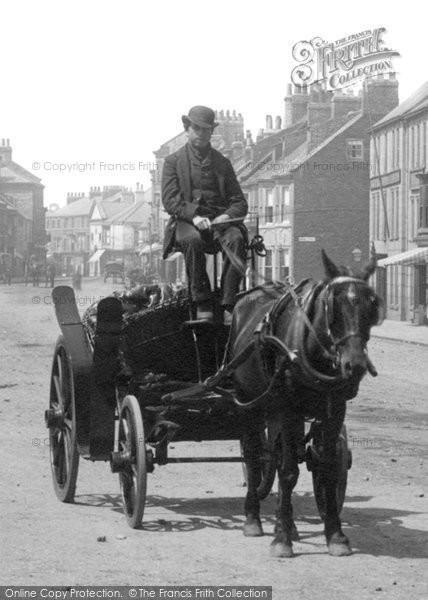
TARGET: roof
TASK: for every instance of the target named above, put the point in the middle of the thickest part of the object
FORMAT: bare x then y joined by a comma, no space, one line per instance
298,153
8,204
417,101
410,257
14,173
137,213
108,209
83,206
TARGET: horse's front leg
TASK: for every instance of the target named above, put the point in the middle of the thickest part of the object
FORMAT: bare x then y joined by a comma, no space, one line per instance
252,450
337,542
288,474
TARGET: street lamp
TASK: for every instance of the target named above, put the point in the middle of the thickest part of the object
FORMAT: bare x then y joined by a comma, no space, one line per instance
357,254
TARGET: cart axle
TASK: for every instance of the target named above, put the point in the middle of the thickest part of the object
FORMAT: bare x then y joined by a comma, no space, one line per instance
204,459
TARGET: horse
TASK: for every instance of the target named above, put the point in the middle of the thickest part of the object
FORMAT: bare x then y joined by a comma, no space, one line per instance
308,354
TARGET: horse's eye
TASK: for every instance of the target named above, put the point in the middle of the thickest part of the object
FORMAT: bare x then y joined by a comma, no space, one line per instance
377,312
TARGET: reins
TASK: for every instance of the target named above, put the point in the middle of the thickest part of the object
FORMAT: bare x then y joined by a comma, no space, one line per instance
264,338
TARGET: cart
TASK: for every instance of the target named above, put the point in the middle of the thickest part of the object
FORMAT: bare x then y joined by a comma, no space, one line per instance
115,270
124,387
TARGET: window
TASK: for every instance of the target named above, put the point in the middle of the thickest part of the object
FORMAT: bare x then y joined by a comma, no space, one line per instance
268,265
418,146
413,222
397,148
284,203
424,145
283,264
269,207
354,149
423,208
412,148
376,215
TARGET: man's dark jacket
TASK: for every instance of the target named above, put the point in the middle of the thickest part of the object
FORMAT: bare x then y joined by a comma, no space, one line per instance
177,191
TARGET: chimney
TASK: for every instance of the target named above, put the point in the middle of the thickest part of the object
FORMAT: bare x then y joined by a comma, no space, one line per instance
260,135
380,96
5,151
73,196
278,122
237,149
94,191
249,146
342,104
295,104
318,113
269,123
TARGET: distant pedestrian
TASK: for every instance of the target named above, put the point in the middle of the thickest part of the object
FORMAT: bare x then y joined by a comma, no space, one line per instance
50,275
77,280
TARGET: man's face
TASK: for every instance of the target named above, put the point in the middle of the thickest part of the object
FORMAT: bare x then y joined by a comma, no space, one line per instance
199,137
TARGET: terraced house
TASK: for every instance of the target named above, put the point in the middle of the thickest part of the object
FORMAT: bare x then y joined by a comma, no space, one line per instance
308,183
399,207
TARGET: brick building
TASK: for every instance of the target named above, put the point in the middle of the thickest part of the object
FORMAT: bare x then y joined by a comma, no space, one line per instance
308,183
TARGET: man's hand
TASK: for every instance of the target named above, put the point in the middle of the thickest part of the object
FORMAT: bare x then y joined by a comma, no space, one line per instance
201,223
221,219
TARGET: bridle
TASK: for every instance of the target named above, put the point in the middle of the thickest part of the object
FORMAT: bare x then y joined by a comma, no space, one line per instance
328,312
303,305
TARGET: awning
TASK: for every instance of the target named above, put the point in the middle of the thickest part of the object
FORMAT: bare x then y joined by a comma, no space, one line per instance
96,257
150,248
174,256
410,257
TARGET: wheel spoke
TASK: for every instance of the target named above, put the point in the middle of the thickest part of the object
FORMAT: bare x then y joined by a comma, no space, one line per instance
68,423
67,449
58,390
59,367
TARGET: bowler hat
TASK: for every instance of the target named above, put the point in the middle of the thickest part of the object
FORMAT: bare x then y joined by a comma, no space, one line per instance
200,115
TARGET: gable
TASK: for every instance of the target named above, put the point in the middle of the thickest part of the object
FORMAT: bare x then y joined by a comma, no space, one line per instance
96,215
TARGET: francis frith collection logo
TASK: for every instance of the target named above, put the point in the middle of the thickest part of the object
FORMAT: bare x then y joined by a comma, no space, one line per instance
344,62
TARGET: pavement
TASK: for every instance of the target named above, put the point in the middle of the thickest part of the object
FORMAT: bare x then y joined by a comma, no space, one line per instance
401,331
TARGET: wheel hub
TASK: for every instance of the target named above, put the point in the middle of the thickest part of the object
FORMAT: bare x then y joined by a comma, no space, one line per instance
54,417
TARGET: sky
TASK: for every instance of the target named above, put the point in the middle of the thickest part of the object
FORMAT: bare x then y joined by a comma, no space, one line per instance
91,84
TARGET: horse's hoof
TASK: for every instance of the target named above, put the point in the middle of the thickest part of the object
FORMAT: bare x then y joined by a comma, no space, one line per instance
294,533
281,550
253,528
339,549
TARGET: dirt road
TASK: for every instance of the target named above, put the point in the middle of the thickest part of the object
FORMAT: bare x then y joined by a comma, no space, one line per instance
192,531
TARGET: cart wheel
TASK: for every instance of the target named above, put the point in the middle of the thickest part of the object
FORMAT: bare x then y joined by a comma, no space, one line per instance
133,476
268,467
61,420
343,463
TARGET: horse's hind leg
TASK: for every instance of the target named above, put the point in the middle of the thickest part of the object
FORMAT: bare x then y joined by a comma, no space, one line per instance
288,473
252,448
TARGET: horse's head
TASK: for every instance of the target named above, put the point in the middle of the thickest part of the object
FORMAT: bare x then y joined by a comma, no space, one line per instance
350,308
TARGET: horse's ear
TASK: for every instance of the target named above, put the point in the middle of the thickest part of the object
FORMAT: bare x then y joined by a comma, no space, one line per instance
329,267
371,267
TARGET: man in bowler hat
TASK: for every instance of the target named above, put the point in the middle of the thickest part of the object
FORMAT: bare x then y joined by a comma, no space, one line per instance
201,193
